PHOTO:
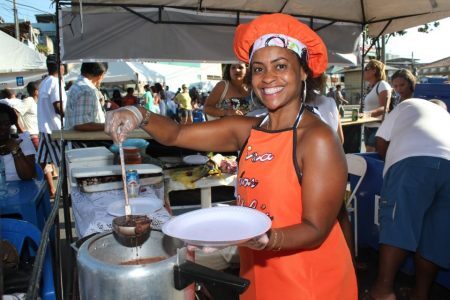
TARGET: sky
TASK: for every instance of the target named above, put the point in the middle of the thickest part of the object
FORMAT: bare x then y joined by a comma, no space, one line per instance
427,47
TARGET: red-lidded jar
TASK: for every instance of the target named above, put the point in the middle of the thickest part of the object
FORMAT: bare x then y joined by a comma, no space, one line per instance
132,155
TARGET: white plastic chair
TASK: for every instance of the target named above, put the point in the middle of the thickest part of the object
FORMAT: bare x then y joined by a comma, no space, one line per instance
357,166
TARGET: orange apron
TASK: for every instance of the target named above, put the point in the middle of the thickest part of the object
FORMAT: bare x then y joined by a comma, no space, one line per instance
269,180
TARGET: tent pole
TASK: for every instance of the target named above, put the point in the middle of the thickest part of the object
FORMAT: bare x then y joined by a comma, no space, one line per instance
363,56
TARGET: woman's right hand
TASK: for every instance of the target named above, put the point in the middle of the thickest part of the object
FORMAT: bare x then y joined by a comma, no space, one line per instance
120,122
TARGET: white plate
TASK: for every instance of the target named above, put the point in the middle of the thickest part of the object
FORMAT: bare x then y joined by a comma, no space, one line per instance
196,159
218,226
139,206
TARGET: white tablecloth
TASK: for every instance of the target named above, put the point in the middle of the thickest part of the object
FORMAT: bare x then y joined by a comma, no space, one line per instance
89,209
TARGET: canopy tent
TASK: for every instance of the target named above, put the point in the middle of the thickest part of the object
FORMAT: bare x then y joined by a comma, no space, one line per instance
203,30
19,63
18,57
201,41
382,16
122,72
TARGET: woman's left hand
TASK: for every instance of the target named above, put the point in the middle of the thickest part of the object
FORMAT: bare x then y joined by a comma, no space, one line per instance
257,243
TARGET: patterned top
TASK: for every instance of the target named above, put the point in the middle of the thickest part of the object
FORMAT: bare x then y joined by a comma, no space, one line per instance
235,103
83,104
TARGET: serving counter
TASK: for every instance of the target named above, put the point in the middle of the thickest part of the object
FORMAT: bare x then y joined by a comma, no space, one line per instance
76,135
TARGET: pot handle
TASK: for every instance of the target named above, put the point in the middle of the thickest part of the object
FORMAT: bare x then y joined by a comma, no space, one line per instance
188,272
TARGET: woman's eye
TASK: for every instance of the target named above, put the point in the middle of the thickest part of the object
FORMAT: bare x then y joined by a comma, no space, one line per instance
257,69
281,66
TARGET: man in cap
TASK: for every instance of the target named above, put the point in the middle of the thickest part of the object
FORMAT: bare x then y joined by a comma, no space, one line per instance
184,105
50,111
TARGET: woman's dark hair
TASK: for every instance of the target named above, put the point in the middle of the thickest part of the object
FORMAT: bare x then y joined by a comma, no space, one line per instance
4,108
226,72
94,69
406,75
160,90
116,94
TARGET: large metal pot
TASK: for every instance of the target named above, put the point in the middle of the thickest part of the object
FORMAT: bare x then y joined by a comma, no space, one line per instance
102,275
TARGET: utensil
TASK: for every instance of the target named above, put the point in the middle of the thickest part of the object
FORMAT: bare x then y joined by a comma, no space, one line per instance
130,230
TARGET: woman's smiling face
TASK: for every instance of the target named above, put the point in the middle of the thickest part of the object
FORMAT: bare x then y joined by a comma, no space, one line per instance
276,76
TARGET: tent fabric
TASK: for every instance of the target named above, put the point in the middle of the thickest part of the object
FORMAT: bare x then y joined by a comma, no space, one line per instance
18,57
175,42
396,15
122,72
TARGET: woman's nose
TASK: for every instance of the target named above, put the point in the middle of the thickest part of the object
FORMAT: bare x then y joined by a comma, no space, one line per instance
268,77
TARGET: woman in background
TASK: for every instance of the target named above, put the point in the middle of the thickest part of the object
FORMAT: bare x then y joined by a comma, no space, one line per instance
230,96
18,154
376,101
404,83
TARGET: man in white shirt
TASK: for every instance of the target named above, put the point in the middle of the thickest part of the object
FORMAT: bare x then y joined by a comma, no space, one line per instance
28,113
415,196
50,110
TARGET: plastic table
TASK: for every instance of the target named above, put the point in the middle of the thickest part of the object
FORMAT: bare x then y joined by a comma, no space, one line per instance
28,198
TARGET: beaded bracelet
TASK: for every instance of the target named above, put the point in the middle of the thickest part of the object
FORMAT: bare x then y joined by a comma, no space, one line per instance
278,248
272,241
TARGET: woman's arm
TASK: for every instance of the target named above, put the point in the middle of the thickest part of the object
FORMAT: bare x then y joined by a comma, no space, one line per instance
340,132
324,170
25,165
220,135
228,134
383,100
212,101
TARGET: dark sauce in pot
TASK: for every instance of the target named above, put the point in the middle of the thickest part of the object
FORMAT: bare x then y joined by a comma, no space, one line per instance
143,261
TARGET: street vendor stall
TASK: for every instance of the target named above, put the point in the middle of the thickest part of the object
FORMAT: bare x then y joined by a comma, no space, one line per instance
190,36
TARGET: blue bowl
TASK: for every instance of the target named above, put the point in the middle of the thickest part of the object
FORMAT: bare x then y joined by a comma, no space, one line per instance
138,143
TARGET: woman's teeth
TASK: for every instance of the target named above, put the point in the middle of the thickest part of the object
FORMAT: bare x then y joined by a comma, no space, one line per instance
270,91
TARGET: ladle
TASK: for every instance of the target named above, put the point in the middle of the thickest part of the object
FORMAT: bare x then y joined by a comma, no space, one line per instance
129,230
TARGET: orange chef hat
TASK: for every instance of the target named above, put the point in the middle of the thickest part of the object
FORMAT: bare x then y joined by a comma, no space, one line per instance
283,31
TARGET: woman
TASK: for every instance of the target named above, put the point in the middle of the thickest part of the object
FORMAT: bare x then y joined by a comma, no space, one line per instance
230,96
116,98
325,105
404,83
17,154
304,255
376,101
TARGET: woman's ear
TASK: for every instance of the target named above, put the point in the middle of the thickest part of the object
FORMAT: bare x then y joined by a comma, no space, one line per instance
303,75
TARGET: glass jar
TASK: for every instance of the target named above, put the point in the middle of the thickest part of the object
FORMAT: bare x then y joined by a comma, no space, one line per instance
132,155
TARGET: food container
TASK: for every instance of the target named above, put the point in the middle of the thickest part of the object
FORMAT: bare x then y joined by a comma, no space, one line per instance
87,158
132,155
160,269
110,177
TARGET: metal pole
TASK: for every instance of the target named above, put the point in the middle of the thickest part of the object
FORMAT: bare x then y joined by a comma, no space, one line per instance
16,20
363,56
